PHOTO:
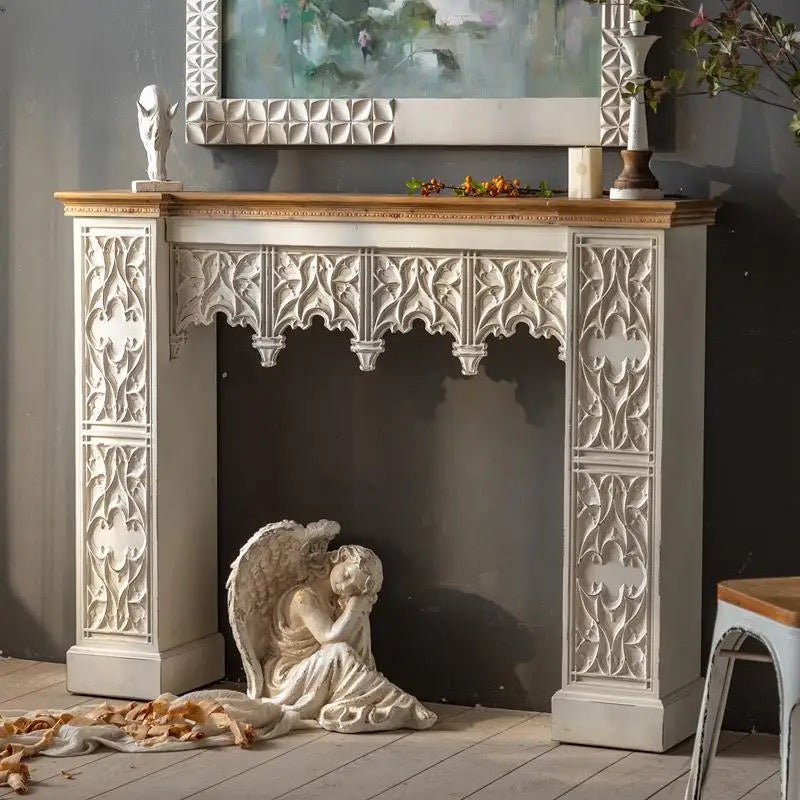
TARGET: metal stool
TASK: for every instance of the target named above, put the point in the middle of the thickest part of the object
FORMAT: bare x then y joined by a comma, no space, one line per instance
768,610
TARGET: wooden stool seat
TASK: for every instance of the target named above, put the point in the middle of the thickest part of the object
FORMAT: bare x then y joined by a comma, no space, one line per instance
777,599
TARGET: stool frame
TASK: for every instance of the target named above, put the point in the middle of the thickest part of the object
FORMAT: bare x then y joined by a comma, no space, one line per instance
732,628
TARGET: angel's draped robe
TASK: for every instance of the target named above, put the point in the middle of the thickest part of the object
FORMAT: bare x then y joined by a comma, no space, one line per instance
335,685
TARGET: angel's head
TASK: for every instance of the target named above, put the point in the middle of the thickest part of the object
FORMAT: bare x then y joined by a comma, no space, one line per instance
356,570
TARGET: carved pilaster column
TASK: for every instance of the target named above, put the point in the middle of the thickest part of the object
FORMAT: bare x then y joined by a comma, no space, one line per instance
631,660
145,491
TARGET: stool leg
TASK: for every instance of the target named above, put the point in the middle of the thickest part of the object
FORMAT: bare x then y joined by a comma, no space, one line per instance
718,681
790,738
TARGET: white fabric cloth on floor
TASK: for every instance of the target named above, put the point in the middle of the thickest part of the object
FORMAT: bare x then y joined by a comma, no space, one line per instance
268,718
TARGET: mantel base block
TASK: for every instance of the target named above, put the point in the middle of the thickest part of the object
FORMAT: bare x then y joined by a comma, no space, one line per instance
628,719
110,671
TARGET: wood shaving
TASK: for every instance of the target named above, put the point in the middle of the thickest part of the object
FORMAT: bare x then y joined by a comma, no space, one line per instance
13,773
150,724
18,781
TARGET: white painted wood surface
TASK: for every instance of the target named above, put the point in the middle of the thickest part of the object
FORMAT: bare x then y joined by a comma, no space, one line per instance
625,304
471,753
146,618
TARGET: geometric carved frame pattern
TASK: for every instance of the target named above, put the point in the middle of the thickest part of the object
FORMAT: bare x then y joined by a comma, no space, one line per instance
212,119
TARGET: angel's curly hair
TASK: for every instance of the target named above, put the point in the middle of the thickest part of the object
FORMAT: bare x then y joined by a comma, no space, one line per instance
366,560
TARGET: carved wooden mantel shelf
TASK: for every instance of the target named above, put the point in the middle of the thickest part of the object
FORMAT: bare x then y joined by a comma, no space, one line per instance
620,285
393,208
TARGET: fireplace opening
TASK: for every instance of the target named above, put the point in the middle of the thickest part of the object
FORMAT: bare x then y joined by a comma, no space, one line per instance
456,483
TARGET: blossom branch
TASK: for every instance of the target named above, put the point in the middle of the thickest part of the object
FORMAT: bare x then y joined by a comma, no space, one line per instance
740,49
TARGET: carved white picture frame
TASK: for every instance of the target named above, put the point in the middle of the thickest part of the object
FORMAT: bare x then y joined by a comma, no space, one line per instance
212,119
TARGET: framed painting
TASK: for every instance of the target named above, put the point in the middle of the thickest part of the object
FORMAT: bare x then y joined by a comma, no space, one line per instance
405,72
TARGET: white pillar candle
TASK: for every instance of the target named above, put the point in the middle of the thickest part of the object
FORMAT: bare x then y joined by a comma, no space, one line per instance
585,172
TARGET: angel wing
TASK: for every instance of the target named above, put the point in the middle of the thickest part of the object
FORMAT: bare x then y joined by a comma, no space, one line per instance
276,558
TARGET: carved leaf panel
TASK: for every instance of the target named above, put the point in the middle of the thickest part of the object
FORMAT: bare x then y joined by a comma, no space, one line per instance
116,517
308,284
415,286
612,557
209,281
115,318
370,293
614,332
510,290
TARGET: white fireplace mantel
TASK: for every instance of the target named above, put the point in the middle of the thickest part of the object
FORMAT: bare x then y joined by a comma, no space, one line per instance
620,285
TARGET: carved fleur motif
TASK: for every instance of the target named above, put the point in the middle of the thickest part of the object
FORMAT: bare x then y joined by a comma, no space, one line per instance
513,290
115,318
116,513
614,384
314,284
410,287
611,604
206,282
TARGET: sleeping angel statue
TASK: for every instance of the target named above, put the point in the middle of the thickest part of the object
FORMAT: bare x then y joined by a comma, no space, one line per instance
300,618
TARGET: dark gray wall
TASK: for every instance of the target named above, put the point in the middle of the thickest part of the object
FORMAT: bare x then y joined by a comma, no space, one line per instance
456,482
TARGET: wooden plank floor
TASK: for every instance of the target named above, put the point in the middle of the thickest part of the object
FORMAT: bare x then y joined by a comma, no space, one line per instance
477,753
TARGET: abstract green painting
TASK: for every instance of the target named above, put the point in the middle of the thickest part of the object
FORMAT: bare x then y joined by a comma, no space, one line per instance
411,48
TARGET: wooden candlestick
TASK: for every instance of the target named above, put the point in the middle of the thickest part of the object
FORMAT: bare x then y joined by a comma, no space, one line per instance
636,181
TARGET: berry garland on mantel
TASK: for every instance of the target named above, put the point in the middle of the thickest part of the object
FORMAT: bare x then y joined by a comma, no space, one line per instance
496,187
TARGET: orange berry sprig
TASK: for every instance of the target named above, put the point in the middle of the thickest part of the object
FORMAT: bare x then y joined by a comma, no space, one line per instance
498,186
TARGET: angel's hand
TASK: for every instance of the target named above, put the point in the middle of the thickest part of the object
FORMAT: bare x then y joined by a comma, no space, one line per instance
360,603
318,622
